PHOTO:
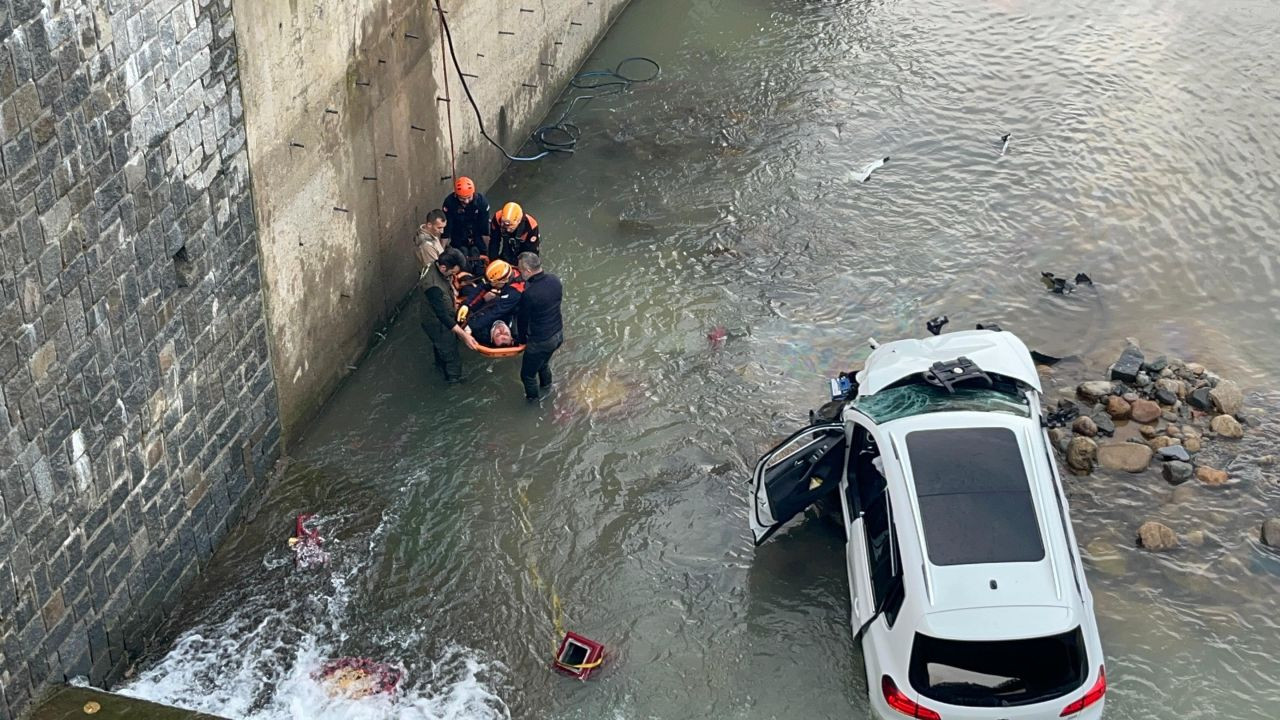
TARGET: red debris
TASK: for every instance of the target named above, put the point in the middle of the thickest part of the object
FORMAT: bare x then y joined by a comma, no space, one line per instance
578,656
358,677
308,546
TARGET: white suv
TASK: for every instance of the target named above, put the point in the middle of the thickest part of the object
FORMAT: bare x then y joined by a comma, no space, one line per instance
968,593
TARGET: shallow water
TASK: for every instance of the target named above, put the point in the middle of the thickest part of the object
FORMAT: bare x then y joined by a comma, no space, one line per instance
467,529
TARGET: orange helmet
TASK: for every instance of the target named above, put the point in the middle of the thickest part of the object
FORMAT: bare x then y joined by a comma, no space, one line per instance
463,187
511,214
498,271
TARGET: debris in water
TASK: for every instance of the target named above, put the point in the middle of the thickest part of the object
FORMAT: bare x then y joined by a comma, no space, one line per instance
578,656
716,337
307,545
934,326
872,167
358,677
1004,143
1061,285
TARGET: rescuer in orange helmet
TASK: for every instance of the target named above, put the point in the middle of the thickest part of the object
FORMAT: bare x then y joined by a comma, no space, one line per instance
511,232
467,215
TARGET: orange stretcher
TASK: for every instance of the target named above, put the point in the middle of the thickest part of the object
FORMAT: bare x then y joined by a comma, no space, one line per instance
485,350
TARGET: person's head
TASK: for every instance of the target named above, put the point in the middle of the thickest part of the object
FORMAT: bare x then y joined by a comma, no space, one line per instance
450,262
499,273
464,189
500,335
530,263
435,223
510,216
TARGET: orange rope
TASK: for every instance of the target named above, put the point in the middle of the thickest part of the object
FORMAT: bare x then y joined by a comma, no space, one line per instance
448,97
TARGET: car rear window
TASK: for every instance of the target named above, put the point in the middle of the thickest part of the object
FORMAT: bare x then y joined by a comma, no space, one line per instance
975,499
998,674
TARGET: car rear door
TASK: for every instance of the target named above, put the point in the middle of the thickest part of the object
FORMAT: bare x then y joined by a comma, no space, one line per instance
792,476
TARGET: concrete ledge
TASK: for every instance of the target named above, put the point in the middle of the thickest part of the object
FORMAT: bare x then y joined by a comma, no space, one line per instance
72,703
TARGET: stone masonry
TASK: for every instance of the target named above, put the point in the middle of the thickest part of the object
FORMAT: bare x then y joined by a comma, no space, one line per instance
140,405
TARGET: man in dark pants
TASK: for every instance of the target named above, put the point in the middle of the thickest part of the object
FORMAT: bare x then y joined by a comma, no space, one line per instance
439,320
467,213
540,325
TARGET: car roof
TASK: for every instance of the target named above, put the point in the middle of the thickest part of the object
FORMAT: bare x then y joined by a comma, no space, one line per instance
992,351
959,601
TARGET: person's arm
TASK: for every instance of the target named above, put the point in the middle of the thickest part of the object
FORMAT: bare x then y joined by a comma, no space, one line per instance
464,333
501,308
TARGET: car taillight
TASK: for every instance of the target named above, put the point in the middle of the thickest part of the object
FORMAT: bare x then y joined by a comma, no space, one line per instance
903,704
1094,695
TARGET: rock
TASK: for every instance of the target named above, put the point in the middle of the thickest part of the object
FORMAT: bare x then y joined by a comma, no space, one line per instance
1143,380
1059,437
1084,425
1162,441
1081,452
1144,411
1176,472
1227,398
1148,431
1176,387
1156,364
1191,444
1226,426
1183,493
1167,372
1105,557
1195,369
1195,538
1130,457
1094,389
1104,424
1191,431
1271,532
1166,397
1210,476
1129,364
1173,431
1200,399
1173,452
1154,536
1118,408
1268,460
1129,397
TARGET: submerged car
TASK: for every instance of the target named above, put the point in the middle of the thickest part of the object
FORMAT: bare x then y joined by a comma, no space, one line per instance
969,597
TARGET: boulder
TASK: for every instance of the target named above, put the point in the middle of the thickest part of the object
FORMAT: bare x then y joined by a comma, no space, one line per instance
1104,423
1130,457
1156,364
1149,431
1176,387
1200,398
1084,425
1081,452
1155,536
1192,444
1059,437
1227,398
1129,364
1166,397
1271,532
1174,452
1195,369
1118,408
1176,472
1144,411
1226,426
1210,476
1094,389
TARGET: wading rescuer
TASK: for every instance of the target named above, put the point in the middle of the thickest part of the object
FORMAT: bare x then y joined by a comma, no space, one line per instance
430,240
467,214
539,324
506,287
440,318
512,231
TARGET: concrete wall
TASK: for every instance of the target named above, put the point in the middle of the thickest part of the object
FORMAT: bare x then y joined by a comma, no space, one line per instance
333,92
139,404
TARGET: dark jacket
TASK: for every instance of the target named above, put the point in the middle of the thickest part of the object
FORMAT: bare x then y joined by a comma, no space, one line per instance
467,224
501,308
540,319
440,300
509,245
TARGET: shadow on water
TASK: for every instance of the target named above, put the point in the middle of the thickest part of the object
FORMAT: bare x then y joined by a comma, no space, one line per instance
468,529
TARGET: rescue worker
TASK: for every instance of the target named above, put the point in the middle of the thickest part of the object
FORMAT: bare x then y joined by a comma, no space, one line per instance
539,325
512,231
505,290
467,214
440,318
430,240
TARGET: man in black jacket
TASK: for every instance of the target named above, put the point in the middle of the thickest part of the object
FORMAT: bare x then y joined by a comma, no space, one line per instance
439,320
540,325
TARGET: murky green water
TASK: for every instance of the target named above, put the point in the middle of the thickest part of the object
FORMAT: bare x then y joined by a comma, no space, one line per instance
1145,151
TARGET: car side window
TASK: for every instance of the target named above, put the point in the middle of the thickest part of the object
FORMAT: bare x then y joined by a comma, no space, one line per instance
883,559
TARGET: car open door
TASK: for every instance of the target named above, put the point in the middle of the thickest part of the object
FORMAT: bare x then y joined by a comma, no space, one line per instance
792,476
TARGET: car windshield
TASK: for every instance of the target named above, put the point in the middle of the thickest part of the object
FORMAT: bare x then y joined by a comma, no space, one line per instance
919,398
998,673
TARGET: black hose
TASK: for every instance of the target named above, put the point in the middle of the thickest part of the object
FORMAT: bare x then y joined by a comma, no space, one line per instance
562,135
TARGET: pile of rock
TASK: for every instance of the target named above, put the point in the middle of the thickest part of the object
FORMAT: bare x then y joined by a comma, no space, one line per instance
1151,409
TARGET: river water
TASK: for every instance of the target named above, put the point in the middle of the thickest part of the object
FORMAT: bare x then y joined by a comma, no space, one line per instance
467,529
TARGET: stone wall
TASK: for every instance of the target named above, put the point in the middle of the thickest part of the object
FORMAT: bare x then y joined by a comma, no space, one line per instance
347,115
140,407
